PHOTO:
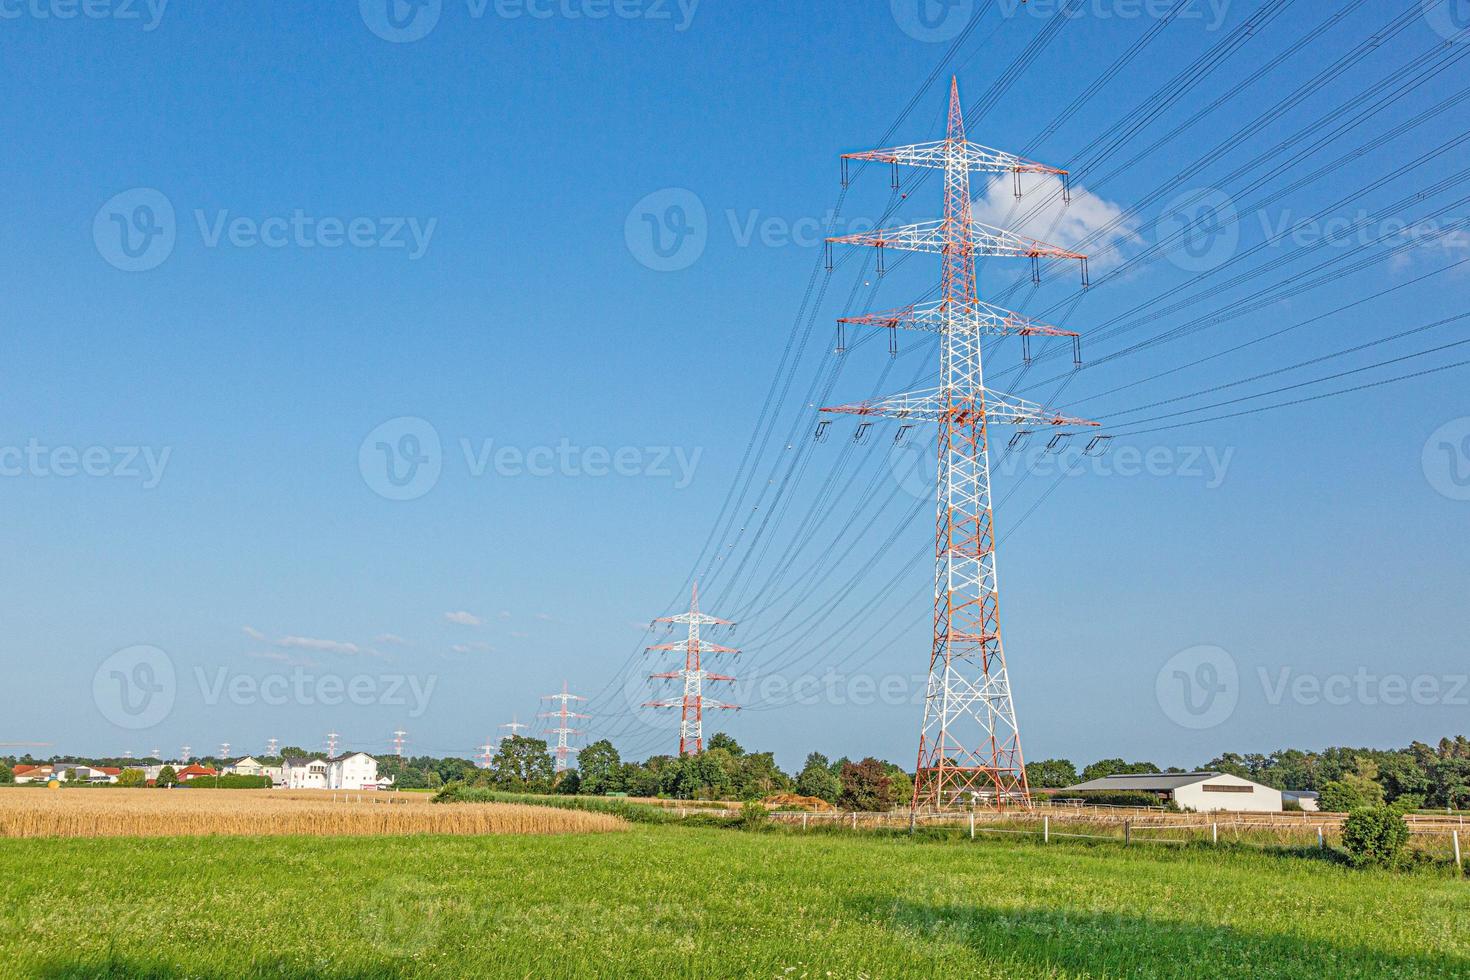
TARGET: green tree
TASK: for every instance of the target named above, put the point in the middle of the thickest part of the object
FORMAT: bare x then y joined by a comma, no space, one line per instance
521,765
1351,792
719,740
756,776
568,782
167,777
7,774
132,778
816,779
1117,767
1051,774
293,752
866,786
601,768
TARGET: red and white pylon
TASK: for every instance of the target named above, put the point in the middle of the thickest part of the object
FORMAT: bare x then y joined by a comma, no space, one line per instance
563,731
970,741
694,702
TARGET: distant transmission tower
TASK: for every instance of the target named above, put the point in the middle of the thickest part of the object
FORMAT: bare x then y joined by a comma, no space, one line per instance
970,742
563,731
515,727
693,703
224,751
332,744
486,755
185,756
398,742
270,746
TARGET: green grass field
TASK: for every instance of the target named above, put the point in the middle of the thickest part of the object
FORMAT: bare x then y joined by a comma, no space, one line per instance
682,901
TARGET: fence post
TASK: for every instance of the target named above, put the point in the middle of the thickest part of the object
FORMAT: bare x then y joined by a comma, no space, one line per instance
1127,832
1459,864
1215,832
972,825
913,821
803,821
1321,839
1046,828
854,820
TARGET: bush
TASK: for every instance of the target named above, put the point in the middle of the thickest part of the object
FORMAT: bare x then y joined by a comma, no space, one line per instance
458,792
132,777
753,815
1374,835
229,782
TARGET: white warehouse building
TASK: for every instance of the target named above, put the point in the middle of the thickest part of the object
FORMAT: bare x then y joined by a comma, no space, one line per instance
1201,792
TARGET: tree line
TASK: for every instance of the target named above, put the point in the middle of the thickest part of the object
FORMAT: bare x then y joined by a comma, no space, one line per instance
1420,775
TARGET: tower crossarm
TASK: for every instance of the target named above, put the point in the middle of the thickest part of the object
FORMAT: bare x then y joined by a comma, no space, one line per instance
943,316
940,154
939,405
937,237
682,646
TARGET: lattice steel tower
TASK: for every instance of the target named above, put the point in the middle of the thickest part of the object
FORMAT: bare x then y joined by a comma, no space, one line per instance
694,702
970,742
563,731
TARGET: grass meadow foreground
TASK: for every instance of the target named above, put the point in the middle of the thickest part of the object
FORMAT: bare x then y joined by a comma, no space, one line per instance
659,900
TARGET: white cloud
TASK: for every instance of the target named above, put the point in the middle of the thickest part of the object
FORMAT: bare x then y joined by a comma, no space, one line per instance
471,648
1058,223
255,634
312,643
544,617
281,657
392,638
463,618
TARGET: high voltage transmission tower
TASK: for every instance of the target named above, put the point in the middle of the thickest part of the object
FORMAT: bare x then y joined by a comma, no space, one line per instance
970,742
563,731
693,702
398,737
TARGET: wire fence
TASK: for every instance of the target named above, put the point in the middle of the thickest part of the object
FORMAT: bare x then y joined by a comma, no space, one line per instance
1436,837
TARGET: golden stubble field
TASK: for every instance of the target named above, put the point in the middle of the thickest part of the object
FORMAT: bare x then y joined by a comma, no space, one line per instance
37,812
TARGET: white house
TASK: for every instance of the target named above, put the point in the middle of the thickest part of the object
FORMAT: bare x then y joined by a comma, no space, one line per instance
248,766
304,773
1201,792
354,770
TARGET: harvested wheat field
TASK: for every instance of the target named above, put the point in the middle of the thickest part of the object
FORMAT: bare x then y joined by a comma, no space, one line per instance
270,813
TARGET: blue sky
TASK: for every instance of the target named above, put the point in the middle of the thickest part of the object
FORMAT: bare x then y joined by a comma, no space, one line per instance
451,231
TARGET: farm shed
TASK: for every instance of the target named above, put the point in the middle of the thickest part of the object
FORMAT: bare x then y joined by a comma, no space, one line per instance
1198,791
